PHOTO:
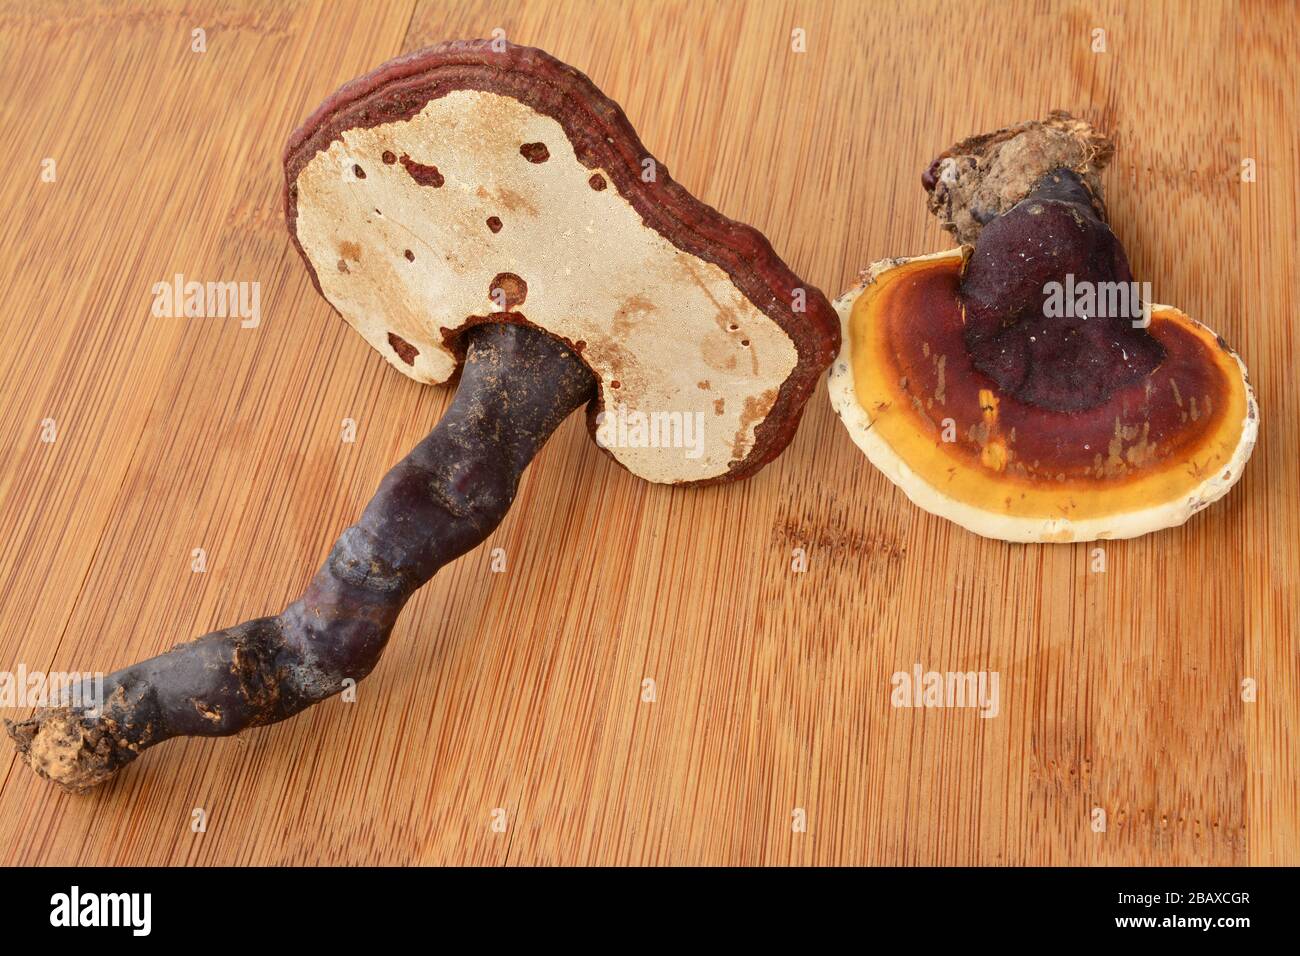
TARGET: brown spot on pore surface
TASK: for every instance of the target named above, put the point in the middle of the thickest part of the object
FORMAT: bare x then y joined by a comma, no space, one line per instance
494,223
514,202
629,311
726,313
410,256
422,174
358,171
388,157
350,250
343,266
404,349
596,182
535,152
514,288
755,409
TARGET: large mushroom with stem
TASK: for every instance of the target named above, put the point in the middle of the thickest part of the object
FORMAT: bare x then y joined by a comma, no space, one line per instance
482,207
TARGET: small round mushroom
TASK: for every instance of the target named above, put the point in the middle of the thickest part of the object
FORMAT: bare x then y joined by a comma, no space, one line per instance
1019,385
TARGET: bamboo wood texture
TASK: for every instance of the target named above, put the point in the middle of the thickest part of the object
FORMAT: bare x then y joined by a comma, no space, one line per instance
517,696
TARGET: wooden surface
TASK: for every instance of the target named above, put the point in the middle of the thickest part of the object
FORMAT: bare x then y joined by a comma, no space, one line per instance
522,691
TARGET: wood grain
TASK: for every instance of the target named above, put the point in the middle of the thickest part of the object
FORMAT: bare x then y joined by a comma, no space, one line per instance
522,691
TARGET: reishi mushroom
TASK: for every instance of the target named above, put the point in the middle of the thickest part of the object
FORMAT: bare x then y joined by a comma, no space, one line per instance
526,197
490,210
1016,385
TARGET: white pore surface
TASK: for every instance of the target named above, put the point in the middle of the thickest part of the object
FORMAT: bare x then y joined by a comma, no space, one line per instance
671,329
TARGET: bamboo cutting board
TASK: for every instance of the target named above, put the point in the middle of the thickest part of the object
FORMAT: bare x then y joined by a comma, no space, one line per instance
508,722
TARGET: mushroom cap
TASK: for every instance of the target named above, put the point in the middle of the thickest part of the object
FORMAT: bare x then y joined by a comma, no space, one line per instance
478,181
1152,454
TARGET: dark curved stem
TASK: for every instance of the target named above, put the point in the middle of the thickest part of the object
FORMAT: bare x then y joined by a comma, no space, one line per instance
439,502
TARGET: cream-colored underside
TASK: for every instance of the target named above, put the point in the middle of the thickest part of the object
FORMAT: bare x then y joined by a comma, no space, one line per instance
672,330
990,522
